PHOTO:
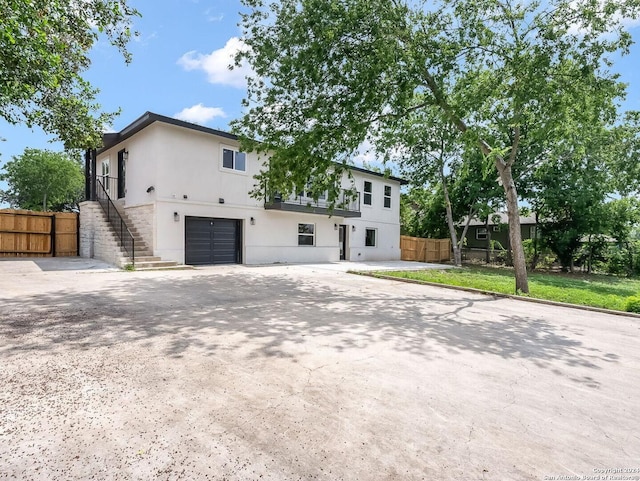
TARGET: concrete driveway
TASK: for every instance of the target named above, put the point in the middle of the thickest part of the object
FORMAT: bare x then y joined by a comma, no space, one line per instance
303,372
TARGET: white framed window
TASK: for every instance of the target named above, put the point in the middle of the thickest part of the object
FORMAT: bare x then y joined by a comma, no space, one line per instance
233,159
496,228
481,233
368,192
106,170
370,237
306,234
387,196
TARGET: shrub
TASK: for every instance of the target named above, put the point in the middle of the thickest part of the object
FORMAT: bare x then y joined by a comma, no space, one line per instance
633,304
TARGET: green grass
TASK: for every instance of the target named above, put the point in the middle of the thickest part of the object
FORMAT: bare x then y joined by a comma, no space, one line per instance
587,290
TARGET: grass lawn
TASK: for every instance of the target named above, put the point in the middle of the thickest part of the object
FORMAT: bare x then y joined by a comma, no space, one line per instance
587,290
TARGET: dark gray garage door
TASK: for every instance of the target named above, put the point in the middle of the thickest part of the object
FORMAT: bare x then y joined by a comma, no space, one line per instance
212,241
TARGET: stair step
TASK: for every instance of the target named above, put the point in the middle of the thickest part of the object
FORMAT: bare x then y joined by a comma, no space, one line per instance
177,267
141,258
145,264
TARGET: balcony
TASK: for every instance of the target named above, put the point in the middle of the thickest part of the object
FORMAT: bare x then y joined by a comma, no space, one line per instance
344,206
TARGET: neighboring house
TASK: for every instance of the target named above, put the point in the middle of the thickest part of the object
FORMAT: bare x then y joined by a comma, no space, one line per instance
184,189
497,230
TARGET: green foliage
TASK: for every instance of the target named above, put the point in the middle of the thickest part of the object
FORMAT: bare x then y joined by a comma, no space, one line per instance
422,214
588,290
42,180
44,46
543,257
632,304
509,77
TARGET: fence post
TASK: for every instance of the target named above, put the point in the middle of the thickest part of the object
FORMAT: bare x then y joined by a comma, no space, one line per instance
53,235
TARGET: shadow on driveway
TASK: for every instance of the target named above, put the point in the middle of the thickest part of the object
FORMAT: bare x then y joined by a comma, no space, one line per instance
272,311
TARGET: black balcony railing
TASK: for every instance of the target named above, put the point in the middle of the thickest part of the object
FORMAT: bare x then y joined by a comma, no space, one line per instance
345,205
115,219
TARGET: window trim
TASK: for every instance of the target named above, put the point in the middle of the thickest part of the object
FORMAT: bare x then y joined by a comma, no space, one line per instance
483,231
375,237
305,234
369,193
235,151
105,162
386,196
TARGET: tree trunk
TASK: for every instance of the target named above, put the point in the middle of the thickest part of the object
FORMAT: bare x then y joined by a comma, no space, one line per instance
536,254
515,235
457,254
487,254
506,176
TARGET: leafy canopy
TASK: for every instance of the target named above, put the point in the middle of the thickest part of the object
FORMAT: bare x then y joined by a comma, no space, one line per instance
42,180
44,47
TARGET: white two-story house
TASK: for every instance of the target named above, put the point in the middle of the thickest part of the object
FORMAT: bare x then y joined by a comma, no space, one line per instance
184,189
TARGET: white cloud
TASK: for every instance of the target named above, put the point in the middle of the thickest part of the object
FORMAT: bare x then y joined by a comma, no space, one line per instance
212,16
216,64
199,114
577,29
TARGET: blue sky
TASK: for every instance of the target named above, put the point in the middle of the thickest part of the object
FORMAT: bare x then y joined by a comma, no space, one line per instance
179,69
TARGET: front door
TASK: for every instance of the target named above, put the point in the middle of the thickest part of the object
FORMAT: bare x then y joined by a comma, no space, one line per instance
343,242
121,171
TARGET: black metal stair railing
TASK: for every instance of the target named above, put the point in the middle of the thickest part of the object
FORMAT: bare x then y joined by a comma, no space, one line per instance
116,221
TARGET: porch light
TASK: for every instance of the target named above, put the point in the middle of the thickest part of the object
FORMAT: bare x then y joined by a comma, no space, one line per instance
125,155
252,221
176,217
353,228
335,226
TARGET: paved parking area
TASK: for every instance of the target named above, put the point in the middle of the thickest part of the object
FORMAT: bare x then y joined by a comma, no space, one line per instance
304,372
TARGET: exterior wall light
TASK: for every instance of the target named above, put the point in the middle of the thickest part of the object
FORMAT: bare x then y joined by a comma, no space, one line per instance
335,226
353,228
252,221
176,217
125,155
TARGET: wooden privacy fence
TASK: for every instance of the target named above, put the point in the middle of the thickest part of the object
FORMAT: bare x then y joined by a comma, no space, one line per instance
25,233
425,250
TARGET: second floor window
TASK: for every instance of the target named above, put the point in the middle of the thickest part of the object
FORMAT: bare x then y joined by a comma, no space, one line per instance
367,193
387,196
234,160
106,170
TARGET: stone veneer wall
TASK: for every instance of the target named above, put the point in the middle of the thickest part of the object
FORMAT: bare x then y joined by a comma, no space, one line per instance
142,218
97,240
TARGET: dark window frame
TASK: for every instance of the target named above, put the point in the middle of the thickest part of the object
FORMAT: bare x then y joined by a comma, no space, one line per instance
304,236
368,241
367,194
237,158
387,196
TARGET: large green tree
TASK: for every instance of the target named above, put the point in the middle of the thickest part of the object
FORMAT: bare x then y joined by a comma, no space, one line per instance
330,74
42,180
44,46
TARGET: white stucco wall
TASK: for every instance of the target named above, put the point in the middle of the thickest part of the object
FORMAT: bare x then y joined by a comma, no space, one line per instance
386,221
185,168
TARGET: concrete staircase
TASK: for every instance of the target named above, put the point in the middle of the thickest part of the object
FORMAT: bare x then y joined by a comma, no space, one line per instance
144,258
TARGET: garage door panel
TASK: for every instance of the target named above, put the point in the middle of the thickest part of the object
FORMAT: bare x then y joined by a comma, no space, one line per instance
212,241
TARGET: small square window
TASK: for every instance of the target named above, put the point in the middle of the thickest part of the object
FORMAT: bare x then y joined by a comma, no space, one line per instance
387,196
481,233
370,238
368,189
234,160
306,234
496,228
